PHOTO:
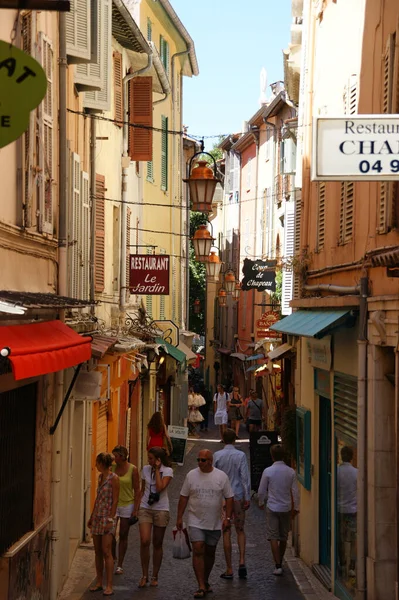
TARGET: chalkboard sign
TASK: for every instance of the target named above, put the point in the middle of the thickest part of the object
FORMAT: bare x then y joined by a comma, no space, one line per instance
178,436
259,453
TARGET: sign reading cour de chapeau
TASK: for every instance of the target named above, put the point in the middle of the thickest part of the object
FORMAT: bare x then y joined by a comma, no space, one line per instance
259,275
356,148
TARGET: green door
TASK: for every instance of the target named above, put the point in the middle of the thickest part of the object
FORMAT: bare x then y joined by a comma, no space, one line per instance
325,483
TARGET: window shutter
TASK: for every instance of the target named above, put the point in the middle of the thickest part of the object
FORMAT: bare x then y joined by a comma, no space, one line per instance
99,248
150,171
149,30
164,153
164,53
289,249
297,242
45,124
28,35
140,113
85,238
346,211
76,217
128,251
118,88
78,31
148,299
321,215
162,308
174,306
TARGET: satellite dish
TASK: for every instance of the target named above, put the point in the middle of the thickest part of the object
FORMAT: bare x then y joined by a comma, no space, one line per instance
263,86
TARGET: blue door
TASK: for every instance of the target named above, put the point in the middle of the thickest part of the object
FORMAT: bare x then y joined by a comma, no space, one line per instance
325,482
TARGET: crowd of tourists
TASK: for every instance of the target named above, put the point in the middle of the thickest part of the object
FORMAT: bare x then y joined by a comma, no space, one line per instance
214,498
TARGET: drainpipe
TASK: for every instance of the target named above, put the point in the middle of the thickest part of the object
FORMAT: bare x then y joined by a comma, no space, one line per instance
362,443
125,174
63,291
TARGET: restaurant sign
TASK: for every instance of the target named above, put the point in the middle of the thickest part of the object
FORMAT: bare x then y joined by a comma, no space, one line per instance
356,148
149,274
259,275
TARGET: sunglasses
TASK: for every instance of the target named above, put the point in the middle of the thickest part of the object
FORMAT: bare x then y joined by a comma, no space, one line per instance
202,459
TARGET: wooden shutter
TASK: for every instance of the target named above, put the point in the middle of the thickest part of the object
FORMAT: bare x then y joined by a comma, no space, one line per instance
150,171
76,218
148,299
78,31
345,406
164,153
118,88
321,215
346,212
45,125
28,36
84,250
149,30
140,113
99,248
128,251
289,249
102,428
297,242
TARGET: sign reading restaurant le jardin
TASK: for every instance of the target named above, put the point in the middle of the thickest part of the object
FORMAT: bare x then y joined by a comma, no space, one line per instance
149,274
259,275
356,148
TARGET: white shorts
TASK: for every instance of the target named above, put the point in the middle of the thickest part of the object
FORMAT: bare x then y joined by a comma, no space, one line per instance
125,512
221,417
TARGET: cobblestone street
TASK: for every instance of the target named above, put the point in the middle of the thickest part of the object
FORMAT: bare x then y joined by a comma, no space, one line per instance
177,578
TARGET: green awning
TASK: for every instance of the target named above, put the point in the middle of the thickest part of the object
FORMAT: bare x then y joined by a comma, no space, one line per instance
311,323
172,350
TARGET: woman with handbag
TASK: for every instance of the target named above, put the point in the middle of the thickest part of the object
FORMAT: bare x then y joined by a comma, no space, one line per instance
157,434
254,412
234,406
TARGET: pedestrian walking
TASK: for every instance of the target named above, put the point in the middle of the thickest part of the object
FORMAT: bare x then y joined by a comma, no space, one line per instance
195,401
234,407
220,400
204,490
157,433
102,522
204,409
154,512
254,412
233,462
129,490
279,486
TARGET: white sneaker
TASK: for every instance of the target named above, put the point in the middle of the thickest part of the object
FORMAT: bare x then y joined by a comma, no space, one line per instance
278,571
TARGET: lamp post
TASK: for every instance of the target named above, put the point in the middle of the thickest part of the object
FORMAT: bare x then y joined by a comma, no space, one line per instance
213,266
236,291
222,297
197,306
202,182
202,242
229,281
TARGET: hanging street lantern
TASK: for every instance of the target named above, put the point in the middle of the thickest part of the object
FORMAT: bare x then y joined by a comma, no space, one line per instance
229,281
213,266
202,182
202,242
236,292
222,297
197,306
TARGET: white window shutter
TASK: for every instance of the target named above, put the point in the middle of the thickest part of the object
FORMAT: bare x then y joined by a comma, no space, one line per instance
45,131
78,31
85,239
289,157
28,35
289,249
76,225
99,73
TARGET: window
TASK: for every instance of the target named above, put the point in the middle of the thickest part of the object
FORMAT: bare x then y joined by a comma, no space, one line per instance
45,133
140,113
150,171
18,432
99,248
346,212
78,24
164,153
164,53
80,228
288,275
118,88
149,30
303,447
249,174
321,215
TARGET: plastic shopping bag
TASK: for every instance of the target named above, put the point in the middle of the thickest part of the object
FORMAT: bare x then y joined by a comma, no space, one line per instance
181,543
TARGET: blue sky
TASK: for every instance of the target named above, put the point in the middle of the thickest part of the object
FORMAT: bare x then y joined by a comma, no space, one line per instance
233,39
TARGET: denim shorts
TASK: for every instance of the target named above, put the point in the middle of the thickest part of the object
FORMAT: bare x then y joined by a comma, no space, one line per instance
209,536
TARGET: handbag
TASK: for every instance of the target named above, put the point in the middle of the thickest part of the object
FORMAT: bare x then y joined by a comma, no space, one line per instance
181,543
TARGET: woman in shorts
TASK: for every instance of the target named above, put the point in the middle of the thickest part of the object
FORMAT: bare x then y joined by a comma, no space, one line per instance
129,490
154,512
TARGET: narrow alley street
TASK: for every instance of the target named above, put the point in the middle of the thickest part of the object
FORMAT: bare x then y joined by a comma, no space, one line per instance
177,577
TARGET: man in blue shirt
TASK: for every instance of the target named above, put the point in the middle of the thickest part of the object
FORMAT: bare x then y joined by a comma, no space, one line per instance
233,462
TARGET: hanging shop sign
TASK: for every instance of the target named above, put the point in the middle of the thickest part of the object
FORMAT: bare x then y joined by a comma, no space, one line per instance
170,331
23,85
149,274
356,148
259,275
263,325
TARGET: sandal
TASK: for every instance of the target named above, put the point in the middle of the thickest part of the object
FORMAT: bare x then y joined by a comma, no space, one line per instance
154,582
227,576
242,572
200,593
208,589
143,582
96,588
118,571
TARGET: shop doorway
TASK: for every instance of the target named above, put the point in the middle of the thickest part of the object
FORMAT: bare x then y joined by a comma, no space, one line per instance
325,486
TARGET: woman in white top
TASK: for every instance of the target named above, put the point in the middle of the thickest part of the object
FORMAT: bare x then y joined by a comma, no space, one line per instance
195,400
154,512
220,400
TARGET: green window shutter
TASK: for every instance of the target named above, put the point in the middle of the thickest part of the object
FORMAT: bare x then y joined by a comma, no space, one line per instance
164,154
164,53
150,171
149,30
303,447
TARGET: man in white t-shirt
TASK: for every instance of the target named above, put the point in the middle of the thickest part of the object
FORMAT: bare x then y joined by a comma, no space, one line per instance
204,491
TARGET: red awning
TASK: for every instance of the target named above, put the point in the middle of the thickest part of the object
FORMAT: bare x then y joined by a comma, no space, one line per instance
42,348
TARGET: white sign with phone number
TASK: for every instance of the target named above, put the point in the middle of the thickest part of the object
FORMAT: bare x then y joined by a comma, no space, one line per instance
356,148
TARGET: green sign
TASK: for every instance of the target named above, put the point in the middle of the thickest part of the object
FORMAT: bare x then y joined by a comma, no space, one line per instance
23,84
